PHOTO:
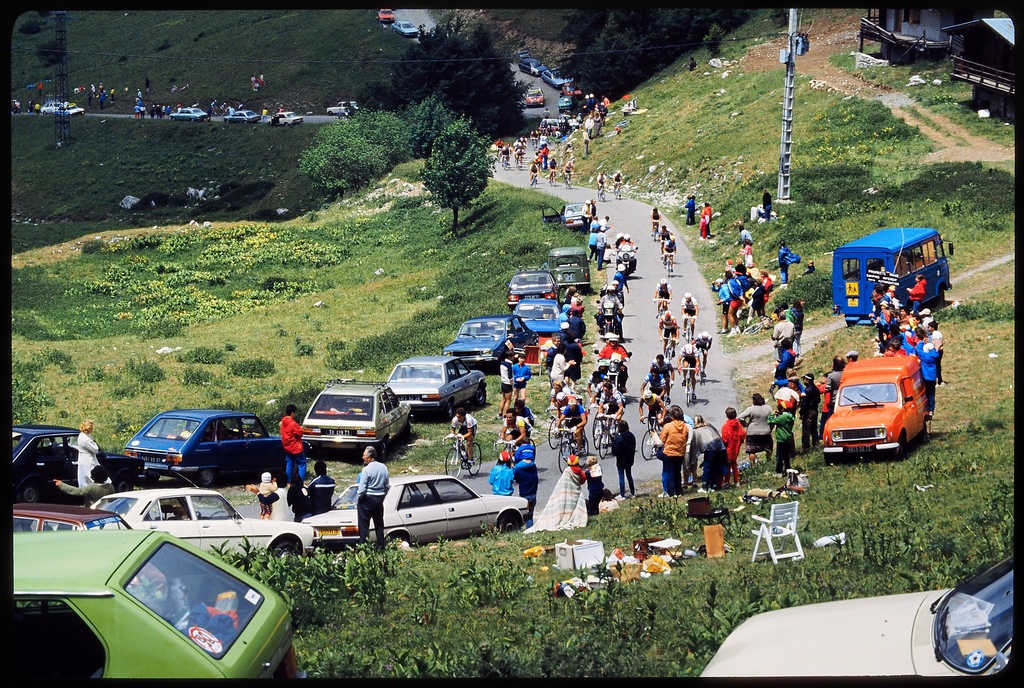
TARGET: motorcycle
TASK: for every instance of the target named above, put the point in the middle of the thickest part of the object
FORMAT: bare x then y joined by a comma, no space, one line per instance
627,256
616,371
609,319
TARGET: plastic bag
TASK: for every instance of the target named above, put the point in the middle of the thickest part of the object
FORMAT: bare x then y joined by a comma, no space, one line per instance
534,551
655,564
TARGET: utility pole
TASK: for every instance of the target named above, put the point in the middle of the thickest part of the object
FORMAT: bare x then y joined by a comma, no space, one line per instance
61,122
788,56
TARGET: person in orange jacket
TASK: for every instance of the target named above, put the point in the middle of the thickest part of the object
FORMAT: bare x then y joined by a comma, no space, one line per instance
291,440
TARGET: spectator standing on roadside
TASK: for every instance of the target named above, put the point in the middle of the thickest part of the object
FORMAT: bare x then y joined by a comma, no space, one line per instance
374,483
916,293
705,221
291,440
783,336
525,474
759,433
733,434
298,499
505,375
809,402
786,258
321,488
796,315
675,438
832,382
521,374
600,245
624,449
573,360
500,478
595,485
279,510
782,420
938,341
929,357
595,230
691,209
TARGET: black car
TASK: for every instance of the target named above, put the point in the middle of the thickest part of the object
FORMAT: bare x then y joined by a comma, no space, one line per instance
44,453
531,283
531,66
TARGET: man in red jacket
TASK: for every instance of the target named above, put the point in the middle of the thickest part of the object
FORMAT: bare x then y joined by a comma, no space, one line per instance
916,293
291,438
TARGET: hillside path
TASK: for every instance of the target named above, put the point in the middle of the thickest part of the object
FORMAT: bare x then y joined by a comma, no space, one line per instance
831,34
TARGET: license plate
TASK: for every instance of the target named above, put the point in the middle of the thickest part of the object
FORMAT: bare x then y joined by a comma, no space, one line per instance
348,433
329,531
569,276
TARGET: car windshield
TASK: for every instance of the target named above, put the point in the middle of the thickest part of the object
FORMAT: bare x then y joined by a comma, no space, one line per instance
173,429
535,92
342,407
483,328
531,311
974,622
431,373
520,281
568,261
347,499
880,393
206,604
119,505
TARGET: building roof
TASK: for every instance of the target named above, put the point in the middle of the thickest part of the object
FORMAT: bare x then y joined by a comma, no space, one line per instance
1003,26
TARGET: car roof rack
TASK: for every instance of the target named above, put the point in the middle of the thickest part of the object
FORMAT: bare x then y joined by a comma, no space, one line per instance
351,380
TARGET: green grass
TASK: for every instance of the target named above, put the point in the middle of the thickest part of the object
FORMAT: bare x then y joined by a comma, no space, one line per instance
234,297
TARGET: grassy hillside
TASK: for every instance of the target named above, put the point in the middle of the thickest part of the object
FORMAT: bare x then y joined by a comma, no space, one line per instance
239,298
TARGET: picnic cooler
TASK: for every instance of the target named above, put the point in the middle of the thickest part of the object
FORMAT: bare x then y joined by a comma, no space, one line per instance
578,554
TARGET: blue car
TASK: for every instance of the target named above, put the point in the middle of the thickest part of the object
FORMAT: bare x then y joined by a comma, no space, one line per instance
540,315
481,339
202,444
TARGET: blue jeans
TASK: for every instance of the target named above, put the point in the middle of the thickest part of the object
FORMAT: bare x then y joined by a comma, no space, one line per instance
673,465
624,474
295,462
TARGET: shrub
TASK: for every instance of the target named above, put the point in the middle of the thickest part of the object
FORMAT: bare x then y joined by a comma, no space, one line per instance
303,349
195,377
980,310
202,354
28,394
814,289
251,367
92,246
148,372
56,357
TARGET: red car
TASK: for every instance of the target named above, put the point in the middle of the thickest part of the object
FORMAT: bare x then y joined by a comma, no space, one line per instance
385,16
535,98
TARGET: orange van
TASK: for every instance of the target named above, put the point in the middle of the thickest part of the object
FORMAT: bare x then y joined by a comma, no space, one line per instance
881,408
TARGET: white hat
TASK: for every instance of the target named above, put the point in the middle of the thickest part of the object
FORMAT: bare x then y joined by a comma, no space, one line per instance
564,326
687,296
929,347
926,311
266,477
612,337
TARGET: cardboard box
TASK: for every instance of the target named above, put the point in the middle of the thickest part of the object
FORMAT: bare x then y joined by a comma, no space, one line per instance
626,572
578,554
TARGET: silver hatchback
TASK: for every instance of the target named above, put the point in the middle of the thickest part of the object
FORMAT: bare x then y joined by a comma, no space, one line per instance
437,383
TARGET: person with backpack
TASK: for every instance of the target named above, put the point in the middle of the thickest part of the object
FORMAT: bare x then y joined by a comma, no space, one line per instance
738,285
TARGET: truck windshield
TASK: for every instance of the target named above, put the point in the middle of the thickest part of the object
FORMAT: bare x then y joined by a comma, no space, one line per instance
880,393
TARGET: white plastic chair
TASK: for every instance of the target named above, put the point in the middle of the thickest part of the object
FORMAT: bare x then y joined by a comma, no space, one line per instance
780,524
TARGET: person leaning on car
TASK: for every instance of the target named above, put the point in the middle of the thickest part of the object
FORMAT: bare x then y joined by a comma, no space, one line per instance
321,488
374,483
98,488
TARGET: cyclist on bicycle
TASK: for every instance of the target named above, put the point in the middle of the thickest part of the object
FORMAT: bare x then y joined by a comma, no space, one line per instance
574,416
668,328
464,425
689,366
602,180
668,251
513,428
663,366
617,182
663,295
690,311
655,222
655,408
703,345
610,401
534,171
655,382
567,173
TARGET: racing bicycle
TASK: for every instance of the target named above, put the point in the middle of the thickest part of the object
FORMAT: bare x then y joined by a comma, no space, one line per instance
457,460
567,446
691,384
600,190
647,447
604,430
618,191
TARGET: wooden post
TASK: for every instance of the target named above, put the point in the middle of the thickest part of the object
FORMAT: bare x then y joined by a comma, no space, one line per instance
714,541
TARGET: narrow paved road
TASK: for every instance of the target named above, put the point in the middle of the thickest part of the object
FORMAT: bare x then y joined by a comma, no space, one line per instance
640,324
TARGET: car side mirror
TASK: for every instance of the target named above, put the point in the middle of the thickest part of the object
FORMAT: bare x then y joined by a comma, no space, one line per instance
951,248
907,400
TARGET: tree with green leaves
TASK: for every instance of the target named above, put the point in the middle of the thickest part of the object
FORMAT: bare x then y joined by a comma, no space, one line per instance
352,153
458,168
461,68
426,121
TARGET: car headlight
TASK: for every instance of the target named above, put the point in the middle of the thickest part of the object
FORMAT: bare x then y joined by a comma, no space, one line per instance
880,433
837,435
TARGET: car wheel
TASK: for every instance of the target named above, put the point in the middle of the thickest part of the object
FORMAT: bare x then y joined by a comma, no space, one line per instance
29,492
940,298
286,546
124,482
398,536
508,522
206,477
901,448
449,408
480,398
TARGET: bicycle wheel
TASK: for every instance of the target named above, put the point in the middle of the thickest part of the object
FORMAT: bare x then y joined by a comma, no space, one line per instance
453,462
647,446
583,447
553,434
754,329
478,457
563,453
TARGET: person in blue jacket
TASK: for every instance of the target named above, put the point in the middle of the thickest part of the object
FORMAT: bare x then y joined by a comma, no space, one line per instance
521,374
786,258
501,475
929,372
525,474
691,210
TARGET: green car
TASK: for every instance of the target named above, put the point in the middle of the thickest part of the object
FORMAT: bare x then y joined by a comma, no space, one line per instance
570,266
141,604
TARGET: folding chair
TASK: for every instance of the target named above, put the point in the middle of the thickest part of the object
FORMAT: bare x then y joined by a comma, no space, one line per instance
700,508
781,524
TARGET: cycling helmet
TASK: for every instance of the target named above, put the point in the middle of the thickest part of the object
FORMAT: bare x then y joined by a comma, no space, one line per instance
615,284
667,317
648,395
688,296
688,349
619,235
705,335
664,281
